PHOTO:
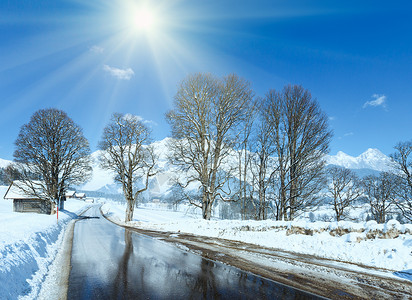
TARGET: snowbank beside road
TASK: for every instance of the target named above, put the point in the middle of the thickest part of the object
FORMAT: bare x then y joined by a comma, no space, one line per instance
392,254
28,244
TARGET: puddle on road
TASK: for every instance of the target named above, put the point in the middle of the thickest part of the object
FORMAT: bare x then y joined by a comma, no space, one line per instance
86,217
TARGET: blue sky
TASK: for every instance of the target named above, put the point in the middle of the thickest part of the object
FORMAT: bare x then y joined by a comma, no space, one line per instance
90,59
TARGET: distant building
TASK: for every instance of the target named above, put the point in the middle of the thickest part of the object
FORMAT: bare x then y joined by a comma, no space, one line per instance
70,194
80,195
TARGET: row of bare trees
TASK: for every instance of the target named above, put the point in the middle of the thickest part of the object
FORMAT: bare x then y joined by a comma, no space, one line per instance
52,154
291,140
384,192
345,189
281,141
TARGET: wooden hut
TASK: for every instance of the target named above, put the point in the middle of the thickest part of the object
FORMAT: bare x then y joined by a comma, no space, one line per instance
24,202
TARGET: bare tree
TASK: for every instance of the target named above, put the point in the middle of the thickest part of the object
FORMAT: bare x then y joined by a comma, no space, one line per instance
206,112
51,154
126,152
380,192
344,188
301,135
403,163
264,166
245,161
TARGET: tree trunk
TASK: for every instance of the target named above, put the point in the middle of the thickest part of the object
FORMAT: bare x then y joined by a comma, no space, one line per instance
282,196
206,210
129,210
262,201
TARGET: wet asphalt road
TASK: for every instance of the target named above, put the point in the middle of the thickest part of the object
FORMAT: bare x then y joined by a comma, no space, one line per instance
110,262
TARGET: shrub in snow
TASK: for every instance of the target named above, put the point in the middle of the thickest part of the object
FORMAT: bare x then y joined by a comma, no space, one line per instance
369,230
391,225
299,230
339,231
371,225
333,226
391,229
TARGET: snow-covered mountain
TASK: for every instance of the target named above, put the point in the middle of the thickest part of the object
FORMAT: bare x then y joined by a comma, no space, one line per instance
4,163
372,159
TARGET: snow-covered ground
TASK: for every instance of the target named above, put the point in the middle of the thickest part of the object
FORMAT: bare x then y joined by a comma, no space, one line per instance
30,242
392,254
28,245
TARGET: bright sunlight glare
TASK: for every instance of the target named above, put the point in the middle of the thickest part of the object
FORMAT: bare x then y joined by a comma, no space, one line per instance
143,20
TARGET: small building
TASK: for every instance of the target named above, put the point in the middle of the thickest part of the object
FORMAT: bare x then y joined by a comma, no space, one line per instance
70,194
24,202
80,195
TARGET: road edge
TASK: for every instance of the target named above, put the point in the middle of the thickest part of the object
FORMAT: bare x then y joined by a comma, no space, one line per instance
59,270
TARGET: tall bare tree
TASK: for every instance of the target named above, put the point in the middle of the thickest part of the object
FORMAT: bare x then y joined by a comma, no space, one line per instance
51,154
302,136
264,165
344,188
380,192
206,112
126,152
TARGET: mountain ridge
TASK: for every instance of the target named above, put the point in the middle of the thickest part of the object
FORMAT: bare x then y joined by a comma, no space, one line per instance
372,159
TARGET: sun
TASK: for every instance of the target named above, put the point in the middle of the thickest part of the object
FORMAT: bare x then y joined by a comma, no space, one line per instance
143,20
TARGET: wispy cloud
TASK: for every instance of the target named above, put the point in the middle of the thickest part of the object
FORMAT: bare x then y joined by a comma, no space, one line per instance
379,100
141,119
123,74
345,135
332,118
96,49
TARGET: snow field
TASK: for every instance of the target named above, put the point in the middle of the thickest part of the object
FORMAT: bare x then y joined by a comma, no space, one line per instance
352,244
28,245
